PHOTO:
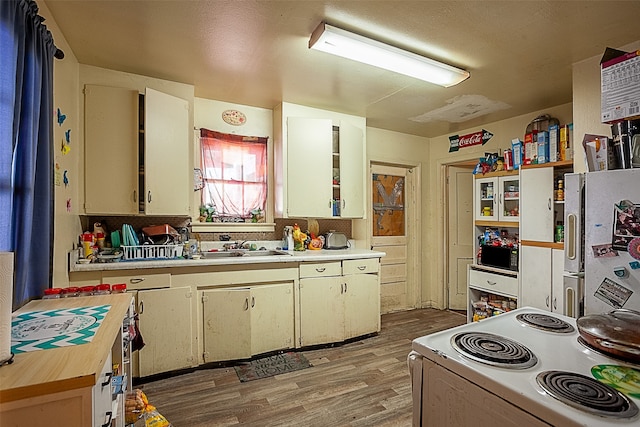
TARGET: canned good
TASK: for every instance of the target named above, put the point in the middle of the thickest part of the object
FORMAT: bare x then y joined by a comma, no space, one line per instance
559,233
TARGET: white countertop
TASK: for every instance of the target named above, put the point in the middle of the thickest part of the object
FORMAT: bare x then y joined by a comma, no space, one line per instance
291,257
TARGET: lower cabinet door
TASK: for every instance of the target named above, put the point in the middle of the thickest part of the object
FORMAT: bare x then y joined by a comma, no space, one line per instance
226,324
102,408
166,325
362,304
272,316
321,310
535,271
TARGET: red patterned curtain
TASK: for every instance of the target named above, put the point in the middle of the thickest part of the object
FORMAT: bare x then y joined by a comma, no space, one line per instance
234,169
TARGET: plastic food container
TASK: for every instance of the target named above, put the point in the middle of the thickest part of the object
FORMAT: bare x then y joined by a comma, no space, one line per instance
102,289
52,293
119,288
70,292
86,291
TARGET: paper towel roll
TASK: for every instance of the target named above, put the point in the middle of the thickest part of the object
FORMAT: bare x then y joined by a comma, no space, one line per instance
6,298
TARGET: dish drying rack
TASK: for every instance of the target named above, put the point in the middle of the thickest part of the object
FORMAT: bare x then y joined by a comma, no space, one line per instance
151,252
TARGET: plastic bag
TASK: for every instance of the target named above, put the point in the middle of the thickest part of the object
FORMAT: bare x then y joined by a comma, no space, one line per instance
137,403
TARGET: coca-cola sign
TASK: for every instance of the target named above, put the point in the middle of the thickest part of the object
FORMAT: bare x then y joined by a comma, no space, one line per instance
477,138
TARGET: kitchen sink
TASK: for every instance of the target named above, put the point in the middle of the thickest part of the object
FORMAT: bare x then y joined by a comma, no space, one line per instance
243,253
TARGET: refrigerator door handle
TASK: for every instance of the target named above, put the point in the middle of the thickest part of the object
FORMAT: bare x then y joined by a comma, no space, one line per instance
571,236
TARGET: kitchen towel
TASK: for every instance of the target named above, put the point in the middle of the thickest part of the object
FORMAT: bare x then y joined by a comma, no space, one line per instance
6,298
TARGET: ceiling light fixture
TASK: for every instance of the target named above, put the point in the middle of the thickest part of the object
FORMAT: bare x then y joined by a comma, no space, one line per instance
358,48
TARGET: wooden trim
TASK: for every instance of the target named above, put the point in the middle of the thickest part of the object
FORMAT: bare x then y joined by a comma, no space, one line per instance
496,173
552,245
498,224
562,163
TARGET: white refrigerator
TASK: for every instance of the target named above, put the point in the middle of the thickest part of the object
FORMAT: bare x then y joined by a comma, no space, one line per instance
611,240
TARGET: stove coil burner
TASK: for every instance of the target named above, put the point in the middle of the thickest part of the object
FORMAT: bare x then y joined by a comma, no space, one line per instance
630,359
493,350
587,394
545,322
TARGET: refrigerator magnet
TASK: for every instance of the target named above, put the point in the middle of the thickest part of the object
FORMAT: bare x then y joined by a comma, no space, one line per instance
634,248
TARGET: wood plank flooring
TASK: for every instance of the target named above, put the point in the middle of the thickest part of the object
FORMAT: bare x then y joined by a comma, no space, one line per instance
361,383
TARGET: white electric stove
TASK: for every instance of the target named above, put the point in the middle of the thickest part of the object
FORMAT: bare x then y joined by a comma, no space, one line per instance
522,368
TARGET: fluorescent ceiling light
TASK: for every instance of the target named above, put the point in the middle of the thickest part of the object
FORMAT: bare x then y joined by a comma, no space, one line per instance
358,48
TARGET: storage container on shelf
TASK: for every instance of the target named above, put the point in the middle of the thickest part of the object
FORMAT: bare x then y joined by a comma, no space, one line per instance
102,289
52,293
119,288
86,291
70,292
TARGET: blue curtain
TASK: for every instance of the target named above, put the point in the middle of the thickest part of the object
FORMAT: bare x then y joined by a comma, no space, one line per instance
26,147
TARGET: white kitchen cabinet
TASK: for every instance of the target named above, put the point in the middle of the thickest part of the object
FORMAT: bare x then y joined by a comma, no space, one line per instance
339,302
497,198
542,283
166,325
136,152
70,386
241,322
494,285
320,164
540,208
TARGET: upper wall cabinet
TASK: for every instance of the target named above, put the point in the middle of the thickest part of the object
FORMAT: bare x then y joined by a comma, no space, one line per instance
136,152
320,167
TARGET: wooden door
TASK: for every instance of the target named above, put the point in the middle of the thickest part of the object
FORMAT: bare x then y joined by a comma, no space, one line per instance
362,304
271,317
352,177
110,150
226,324
168,183
389,219
166,327
309,167
460,239
321,310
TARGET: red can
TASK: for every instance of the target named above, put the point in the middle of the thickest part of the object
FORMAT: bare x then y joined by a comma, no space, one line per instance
508,159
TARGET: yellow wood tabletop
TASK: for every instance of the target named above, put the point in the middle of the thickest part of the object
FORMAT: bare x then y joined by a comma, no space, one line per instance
42,372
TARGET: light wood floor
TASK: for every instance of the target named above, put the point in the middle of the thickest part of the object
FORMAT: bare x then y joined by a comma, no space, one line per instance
361,383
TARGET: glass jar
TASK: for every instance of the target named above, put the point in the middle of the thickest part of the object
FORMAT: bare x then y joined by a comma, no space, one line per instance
86,291
119,288
102,289
70,292
52,293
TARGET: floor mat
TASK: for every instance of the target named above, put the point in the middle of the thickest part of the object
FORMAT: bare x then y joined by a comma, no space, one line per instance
270,366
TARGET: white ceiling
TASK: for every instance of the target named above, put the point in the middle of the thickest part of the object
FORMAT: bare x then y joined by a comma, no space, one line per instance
256,52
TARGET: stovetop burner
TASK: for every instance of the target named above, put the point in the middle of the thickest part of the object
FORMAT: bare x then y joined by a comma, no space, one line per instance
545,322
493,350
584,342
587,394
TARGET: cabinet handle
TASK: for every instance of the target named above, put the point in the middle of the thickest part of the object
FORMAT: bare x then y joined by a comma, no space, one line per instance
549,203
330,203
246,304
320,270
136,280
106,382
491,283
141,307
253,302
135,196
546,302
345,288
343,203
571,236
362,267
110,415
341,288
149,197
555,304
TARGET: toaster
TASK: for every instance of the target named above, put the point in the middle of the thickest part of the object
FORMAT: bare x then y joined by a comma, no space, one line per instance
334,240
